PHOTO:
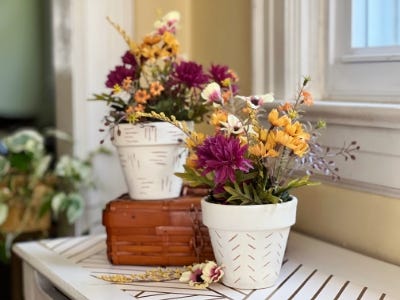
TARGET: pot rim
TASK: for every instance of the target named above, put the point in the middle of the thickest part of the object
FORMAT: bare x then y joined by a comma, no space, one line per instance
249,217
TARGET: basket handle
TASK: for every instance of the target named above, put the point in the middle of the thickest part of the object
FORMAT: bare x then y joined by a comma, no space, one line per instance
197,239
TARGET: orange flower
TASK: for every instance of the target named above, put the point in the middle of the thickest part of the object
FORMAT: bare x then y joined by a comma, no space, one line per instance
150,52
195,139
285,107
258,150
156,88
264,150
129,110
218,117
300,147
141,96
171,42
296,130
270,143
274,119
151,39
307,98
226,95
284,139
139,108
191,161
235,77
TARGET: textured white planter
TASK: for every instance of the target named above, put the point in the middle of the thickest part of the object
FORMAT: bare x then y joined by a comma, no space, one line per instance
150,154
249,240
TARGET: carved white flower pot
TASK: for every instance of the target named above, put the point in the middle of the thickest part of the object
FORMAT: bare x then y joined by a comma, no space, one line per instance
249,240
150,154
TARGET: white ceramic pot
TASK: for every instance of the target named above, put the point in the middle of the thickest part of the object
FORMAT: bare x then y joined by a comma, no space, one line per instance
150,154
249,240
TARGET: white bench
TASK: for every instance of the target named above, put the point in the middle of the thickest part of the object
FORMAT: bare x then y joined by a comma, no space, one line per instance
63,268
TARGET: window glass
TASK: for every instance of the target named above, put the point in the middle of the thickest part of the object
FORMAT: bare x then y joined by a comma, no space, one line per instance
375,23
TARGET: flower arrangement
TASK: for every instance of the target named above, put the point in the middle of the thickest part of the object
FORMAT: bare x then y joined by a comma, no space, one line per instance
255,156
32,184
153,77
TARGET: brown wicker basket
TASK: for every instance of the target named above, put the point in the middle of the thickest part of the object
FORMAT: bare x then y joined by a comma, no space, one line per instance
156,232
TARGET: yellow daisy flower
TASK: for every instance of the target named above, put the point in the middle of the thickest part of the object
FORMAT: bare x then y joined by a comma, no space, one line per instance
275,120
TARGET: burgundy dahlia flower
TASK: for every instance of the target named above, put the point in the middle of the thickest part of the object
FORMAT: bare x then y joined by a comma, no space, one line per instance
189,74
118,75
219,73
223,155
129,59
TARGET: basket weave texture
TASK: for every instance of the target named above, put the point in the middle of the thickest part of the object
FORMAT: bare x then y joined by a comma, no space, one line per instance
156,232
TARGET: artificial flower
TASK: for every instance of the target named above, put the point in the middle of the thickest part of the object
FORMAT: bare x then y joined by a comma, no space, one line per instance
307,98
276,120
153,77
254,153
212,93
202,275
223,156
194,277
212,272
233,125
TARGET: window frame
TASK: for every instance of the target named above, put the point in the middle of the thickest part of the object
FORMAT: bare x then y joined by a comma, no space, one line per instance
297,42
347,68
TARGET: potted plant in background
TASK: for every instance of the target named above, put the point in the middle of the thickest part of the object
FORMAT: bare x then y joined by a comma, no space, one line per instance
32,185
250,165
153,77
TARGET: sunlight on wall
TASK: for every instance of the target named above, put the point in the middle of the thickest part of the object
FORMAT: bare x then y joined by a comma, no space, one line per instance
364,222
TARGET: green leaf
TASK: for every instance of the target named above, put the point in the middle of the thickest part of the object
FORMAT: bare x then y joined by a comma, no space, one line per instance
42,166
239,196
295,183
3,212
109,99
193,178
58,203
3,252
21,161
46,206
74,207
4,166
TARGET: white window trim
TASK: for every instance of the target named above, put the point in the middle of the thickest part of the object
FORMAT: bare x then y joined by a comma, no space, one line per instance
85,48
294,46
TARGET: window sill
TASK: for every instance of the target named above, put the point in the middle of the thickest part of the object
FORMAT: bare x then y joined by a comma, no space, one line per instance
366,58
378,115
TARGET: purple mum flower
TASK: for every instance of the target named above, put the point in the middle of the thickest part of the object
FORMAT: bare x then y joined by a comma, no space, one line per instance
223,155
219,73
189,74
118,75
129,59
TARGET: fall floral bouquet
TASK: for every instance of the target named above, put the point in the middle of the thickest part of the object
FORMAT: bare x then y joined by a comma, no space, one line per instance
152,77
256,156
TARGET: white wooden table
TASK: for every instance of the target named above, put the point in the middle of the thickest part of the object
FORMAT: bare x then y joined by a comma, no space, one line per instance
312,270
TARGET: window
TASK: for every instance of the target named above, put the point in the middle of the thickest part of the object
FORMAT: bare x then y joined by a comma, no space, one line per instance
363,51
375,23
350,48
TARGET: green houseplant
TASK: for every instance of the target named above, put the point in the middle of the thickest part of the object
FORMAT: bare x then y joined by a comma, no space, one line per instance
250,165
154,77
32,185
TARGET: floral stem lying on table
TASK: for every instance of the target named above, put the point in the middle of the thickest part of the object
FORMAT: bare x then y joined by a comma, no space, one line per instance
197,275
